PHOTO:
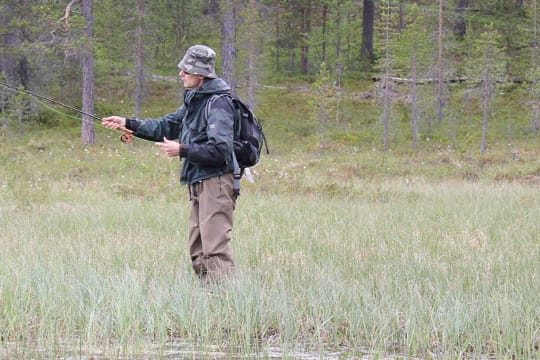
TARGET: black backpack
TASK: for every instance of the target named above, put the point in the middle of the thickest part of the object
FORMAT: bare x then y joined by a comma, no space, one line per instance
249,137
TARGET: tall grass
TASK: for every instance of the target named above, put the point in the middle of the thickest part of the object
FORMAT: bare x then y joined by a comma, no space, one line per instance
334,254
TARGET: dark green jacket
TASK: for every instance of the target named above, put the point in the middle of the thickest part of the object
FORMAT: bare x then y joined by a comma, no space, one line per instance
208,143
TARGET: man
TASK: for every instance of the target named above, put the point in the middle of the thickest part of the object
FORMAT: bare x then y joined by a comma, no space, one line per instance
205,145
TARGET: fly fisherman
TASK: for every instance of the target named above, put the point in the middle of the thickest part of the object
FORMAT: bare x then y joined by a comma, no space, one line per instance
205,146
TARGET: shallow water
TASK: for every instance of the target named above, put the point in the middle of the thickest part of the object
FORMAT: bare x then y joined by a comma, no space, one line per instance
174,350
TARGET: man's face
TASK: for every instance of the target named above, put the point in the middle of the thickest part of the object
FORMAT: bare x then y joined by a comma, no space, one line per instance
191,81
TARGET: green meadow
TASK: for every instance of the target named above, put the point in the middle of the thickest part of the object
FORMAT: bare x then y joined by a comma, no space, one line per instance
342,254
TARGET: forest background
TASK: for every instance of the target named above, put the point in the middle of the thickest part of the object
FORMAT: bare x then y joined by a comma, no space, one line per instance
364,74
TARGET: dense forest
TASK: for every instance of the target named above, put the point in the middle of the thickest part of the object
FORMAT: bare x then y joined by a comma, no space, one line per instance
419,63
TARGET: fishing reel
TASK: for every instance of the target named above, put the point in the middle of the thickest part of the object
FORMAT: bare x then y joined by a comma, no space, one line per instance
126,137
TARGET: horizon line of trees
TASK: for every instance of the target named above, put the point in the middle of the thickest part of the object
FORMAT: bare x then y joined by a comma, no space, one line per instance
68,45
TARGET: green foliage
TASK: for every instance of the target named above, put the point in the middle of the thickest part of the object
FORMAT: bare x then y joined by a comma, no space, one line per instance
322,101
487,55
387,33
412,47
334,33
46,118
287,34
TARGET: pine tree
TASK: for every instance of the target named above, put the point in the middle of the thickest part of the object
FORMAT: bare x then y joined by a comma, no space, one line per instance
412,55
389,12
87,66
440,64
228,53
322,98
535,74
250,35
487,61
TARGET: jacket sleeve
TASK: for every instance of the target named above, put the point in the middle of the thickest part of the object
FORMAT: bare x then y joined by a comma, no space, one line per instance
217,150
156,129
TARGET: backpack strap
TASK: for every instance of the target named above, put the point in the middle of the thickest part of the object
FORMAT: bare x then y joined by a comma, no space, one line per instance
237,171
210,102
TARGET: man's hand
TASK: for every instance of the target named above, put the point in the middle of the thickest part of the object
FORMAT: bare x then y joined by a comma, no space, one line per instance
114,122
171,148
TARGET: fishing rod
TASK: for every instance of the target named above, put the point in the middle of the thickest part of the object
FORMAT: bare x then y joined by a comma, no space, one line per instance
30,93
126,136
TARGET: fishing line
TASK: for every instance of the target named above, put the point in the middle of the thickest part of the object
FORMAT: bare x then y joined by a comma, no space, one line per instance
61,113
28,92
126,137
49,107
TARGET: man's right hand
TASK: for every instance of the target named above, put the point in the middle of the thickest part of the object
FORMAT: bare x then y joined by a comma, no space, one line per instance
114,122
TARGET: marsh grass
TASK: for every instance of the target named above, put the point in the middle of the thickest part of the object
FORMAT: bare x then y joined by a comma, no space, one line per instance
336,252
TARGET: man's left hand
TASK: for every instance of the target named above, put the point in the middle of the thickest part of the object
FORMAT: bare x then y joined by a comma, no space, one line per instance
171,148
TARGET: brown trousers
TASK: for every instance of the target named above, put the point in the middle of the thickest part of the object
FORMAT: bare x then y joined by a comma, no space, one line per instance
210,227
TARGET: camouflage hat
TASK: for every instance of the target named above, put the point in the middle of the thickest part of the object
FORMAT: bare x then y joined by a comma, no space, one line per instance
200,60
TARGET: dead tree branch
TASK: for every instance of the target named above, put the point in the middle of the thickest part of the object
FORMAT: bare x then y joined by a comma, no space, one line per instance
68,11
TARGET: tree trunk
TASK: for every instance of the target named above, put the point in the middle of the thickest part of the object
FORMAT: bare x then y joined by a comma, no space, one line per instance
440,67
180,27
367,30
9,43
338,40
139,60
387,98
460,28
486,93
8,63
3,117
519,8
402,17
414,101
339,89
339,66
324,20
251,42
304,48
87,63
323,117
534,115
535,104
276,39
228,54
19,112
